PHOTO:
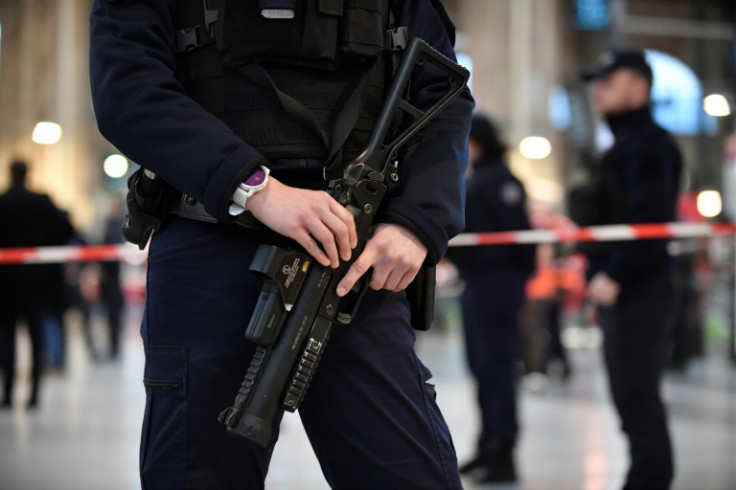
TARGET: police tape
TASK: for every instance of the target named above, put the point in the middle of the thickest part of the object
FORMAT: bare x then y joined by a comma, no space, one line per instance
131,254
609,233
87,253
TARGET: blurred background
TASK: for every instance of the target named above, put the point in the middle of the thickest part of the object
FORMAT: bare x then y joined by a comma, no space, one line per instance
525,56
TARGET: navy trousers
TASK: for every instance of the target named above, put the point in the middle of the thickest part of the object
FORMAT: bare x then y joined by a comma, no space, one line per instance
8,328
491,305
370,413
637,338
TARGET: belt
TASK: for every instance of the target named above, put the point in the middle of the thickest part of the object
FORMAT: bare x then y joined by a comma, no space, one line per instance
189,208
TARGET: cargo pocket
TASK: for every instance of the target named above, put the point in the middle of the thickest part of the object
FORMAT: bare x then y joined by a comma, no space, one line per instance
163,441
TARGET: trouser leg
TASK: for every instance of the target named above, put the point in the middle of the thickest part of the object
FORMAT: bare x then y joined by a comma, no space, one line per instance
637,334
7,356
199,298
492,346
38,349
115,309
370,413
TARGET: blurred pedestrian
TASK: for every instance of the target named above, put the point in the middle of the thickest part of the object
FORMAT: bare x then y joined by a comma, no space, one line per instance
492,300
78,276
637,181
111,288
27,219
54,300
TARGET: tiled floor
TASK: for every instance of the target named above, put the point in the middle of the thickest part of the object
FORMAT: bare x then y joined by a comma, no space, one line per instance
85,435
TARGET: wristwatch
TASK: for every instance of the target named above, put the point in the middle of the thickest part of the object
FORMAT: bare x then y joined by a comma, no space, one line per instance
254,183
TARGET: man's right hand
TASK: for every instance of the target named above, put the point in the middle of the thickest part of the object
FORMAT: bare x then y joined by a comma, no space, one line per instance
314,219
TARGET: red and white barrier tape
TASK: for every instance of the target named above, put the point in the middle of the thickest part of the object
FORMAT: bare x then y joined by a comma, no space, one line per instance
596,234
88,253
131,254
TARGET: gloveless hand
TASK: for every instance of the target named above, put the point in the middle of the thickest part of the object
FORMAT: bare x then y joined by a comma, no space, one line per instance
314,219
603,290
394,252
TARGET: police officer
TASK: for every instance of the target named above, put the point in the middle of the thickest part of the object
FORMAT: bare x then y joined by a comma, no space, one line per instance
491,302
229,105
637,181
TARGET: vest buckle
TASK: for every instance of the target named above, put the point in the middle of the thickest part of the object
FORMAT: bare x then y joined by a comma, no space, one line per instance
397,39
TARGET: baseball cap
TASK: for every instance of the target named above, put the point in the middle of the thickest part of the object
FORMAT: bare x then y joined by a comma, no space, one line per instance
611,61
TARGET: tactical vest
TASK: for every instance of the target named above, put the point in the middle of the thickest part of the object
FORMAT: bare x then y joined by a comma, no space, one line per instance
292,78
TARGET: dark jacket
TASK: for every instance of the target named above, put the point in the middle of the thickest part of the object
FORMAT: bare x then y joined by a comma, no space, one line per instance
143,110
638,182
28,219
496,201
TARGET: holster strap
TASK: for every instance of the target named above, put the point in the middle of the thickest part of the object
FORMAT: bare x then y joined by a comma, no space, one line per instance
189,208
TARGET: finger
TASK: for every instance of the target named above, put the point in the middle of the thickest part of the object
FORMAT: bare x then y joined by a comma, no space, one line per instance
325,237
349,221
400,279
393,280
340,231
355,272
381,274
406,280
305,240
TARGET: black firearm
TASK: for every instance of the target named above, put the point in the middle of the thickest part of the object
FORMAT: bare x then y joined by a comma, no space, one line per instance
298,304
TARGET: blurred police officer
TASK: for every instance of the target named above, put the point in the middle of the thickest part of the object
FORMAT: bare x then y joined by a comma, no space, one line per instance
491,302
213,98
27,292
637,181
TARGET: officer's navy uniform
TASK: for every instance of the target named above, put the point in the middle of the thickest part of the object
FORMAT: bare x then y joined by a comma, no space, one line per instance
638,182
370,414
495,278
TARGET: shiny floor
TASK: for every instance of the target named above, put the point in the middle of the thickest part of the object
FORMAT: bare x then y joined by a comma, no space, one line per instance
85,433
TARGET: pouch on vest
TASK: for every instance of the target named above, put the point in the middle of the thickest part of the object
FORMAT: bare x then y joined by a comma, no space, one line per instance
320,34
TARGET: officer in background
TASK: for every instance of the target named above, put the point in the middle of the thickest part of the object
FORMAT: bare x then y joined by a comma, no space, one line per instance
495,278
28,292
215,102
111,281
637,181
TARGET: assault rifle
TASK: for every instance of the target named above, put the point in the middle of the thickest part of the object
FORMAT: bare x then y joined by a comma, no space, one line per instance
298,304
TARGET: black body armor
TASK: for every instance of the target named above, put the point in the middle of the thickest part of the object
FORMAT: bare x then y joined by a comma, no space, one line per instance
308,86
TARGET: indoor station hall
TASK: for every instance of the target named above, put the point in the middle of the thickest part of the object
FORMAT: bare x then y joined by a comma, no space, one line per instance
164,164
85,434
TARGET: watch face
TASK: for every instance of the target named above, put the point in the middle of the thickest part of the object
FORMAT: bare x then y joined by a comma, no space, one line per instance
256,178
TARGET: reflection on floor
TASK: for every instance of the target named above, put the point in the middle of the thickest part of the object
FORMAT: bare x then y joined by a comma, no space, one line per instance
85,434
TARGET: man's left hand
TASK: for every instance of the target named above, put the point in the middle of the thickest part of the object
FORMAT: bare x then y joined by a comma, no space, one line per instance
395,254
603,290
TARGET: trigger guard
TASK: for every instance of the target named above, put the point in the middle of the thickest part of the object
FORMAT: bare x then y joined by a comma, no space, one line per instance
349,304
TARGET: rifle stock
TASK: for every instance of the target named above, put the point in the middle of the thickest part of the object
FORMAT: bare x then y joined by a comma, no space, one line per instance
287,356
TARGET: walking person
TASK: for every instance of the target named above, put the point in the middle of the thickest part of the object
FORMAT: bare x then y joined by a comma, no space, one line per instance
28,292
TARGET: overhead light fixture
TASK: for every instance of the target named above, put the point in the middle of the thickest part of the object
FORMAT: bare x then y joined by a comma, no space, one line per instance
717,105
115,166
535,147
46,133
709,204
